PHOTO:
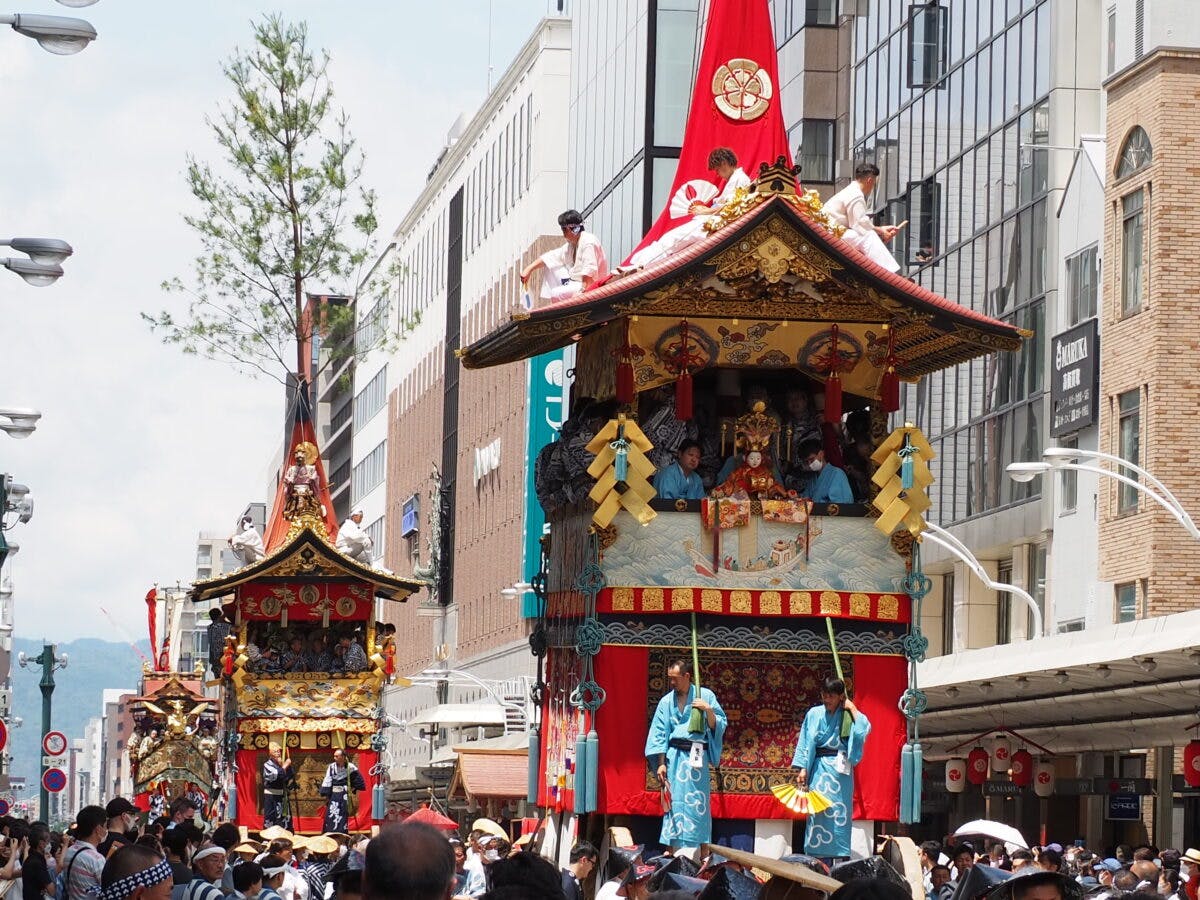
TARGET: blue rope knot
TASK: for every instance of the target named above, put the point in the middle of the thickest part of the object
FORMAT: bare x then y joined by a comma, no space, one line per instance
588,695
588,637
913,703
591,580
916,645
378,742
917,584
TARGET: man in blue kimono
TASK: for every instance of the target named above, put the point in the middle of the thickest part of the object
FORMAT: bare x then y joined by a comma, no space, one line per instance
278,777
683,756
679,480
831,744
827,483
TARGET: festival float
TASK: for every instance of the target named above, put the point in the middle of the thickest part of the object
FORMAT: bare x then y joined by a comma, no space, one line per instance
304,668
767,592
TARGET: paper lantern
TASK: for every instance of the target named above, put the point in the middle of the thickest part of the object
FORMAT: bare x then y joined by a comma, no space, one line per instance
1191,763
956,775
977,766
1043,778
1001,753
1022,768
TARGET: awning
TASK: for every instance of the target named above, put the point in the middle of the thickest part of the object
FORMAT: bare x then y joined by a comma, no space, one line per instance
449,715
499,774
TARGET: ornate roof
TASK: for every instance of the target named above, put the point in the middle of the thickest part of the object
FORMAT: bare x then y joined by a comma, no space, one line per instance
306,556
772,257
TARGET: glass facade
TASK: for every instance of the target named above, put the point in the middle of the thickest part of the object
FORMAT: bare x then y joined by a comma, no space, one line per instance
950,100
631,84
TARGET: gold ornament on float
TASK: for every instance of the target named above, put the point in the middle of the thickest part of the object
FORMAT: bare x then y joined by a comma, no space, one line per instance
742,90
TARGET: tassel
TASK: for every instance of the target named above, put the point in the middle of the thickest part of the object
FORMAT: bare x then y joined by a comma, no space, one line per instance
625,382
621,461
833,399
889,389
918,765
592,755
906,781
231,802
531,792
683,396
907,452
378,803
580,773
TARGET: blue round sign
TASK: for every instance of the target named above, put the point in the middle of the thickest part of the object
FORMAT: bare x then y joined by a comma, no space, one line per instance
4,807
54,780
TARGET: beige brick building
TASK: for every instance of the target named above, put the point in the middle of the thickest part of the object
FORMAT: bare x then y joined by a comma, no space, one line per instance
1150,385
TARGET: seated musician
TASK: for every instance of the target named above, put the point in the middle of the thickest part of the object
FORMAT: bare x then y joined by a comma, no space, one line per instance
828,483
679,480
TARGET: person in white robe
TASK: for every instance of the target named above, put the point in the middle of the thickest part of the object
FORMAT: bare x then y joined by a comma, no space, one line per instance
848,208
724,163
354,541
571,268
247,544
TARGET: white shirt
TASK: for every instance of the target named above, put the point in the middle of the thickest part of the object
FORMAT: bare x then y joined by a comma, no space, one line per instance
352,537
585,259
848,208
739,179
608,890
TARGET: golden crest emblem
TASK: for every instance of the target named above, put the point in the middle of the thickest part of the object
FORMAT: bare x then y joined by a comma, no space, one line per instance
742,90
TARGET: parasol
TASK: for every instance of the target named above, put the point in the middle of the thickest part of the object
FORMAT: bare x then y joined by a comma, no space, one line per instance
998,830
806,803
434,818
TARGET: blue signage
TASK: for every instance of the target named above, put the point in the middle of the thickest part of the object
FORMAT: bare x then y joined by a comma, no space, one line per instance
1123,807
544,418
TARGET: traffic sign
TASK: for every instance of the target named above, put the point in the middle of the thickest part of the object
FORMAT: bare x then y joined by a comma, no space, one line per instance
3,735
54,743
54,762
4,807
54,780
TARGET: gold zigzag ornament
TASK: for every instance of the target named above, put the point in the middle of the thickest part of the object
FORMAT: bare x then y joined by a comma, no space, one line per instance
622,472
903,477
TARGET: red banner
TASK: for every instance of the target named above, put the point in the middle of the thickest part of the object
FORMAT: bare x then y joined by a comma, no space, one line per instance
312,806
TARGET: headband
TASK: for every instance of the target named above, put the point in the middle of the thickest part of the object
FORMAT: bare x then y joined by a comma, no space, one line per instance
207,851
271,873
122,888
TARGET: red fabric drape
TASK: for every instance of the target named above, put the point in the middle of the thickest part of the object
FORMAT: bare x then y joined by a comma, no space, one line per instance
302,431
737,29
249,791
152,621
622,724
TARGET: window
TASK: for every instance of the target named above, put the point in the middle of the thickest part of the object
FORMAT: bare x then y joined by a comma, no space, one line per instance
370,399
368,473
1112,40
371,328
1083,278
1068,486
1036,586
375,533
1127,602
1004,603
820,12
815,150
1131,253
927,45
924,205
947,613
201,574
204,556
1129,421
1136,154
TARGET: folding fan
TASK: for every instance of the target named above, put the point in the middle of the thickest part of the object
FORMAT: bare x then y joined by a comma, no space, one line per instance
806,803
696,191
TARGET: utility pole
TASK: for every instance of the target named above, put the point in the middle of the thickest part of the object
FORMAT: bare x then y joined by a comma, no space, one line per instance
49,662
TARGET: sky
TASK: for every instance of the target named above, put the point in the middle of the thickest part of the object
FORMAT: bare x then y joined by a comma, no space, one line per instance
140,447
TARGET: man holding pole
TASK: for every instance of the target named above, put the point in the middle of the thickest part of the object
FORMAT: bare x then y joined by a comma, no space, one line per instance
831,744
685,738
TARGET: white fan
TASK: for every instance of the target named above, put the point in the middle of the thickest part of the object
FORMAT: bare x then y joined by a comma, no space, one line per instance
695,191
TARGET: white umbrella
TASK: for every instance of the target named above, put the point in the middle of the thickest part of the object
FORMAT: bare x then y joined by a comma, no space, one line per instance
1011,838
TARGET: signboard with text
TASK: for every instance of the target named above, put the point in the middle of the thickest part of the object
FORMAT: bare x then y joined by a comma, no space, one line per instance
1074,378
1123,807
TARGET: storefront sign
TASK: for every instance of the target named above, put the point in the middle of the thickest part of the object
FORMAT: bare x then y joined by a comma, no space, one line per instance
547,374
1123,807
1075,379
1002,789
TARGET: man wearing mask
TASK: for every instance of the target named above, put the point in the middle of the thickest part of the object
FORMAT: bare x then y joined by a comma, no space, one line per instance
828,483
1189,872
122,819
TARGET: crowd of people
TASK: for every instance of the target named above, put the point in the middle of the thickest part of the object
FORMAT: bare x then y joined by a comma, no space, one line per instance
272,649
821,461
1127,872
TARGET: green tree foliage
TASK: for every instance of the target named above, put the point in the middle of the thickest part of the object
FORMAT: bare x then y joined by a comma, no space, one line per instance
282,215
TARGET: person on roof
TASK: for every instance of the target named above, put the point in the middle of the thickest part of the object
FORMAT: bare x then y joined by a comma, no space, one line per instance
848,208
354,541
247,544
573,267
690,199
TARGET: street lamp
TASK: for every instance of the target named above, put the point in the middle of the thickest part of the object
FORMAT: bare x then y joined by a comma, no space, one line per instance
1059,458
49,662
35,273
18,421
947,541
46,251
512,593
59,35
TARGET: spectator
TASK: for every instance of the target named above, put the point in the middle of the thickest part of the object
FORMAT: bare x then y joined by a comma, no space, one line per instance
872,889
274,871
411,861
1126,881
962,858
35,872
1105,869
84,863
524,875
940,885
1189,872
583,861
182,811
1147,874
1124,854
175,845
136,873
122,819
208,865
1168,882
1022,860
998,858
346,876
1050,860
247,881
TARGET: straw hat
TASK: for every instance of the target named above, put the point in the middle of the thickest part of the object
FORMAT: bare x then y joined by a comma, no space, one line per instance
487,826
299,842
253,848
322,843
274,833
788,870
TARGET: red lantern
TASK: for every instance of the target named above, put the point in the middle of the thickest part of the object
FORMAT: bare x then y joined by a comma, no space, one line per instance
1022,768
956,775
1191,763
977,766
